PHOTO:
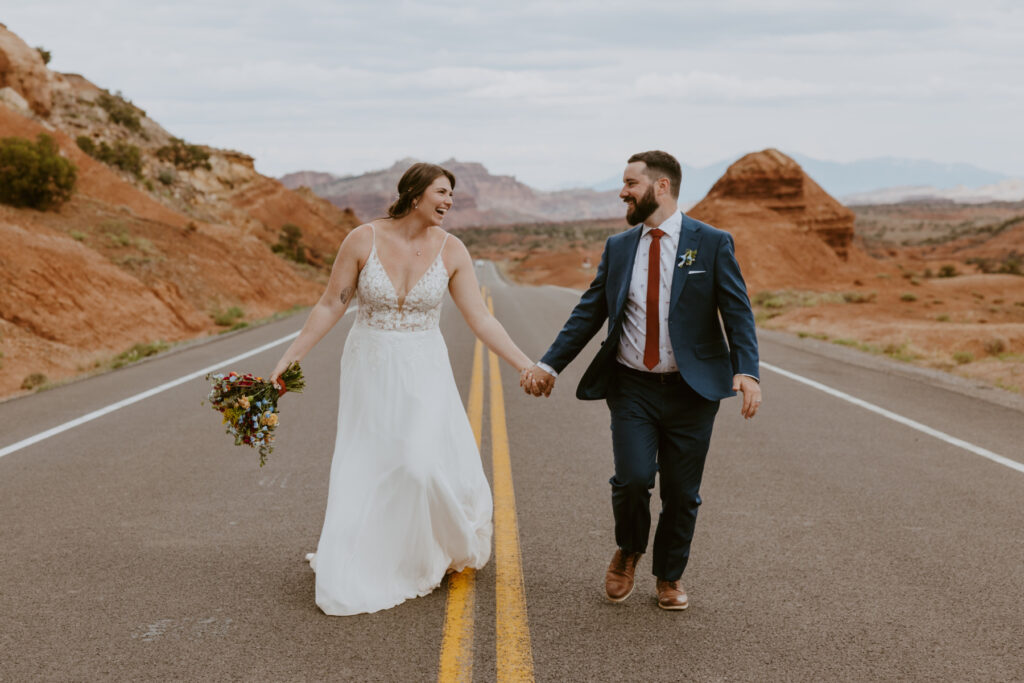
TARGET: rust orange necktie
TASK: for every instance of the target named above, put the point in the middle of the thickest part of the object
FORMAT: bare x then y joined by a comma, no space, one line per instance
651,354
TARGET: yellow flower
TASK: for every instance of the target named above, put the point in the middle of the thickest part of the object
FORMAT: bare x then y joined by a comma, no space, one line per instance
271,420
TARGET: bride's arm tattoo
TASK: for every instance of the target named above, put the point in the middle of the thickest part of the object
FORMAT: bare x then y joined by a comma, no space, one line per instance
346,294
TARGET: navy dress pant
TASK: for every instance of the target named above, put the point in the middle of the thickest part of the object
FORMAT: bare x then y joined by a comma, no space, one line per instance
659,425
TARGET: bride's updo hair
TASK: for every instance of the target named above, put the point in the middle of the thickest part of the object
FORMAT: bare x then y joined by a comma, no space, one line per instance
414,183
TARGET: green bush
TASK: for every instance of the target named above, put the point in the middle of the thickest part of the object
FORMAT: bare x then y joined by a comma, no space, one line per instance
138,352
908,296
122,155
859,297
948,271
289,243
34,174
165,176
121,111
229,317
184,155
995,346
86,144
45,54
962,357
33,381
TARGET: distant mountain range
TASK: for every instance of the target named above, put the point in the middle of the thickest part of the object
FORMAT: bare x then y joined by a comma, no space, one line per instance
871,181
481,198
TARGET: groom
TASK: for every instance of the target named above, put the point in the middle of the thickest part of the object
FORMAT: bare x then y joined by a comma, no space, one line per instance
667,287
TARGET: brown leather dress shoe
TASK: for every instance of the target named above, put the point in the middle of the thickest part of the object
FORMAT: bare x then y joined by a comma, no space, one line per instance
671,595
618,581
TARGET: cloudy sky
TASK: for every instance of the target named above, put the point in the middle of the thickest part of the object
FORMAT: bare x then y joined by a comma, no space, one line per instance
556,92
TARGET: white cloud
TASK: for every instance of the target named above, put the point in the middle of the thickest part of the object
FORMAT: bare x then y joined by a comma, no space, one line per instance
555,91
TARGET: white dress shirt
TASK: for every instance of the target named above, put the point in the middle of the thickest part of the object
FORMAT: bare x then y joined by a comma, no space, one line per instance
634,324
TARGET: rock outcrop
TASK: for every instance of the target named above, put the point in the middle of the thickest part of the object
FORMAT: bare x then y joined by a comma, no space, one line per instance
789,232
771,180
22,69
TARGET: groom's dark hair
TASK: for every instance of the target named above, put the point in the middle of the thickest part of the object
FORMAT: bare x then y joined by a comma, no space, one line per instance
661,164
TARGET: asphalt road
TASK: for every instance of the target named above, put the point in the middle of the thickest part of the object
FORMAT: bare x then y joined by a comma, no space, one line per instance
833,543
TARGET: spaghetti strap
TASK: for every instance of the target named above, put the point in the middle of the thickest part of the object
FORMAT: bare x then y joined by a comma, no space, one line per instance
443,242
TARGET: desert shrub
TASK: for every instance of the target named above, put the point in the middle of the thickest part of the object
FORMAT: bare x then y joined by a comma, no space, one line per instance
86,144
122,154
121,111
184,155
942,317
948,271
228,317
138,352
289,243
34,174
1013,264
77,235
982,264
908,296
899,352
962,357
36,379
121,239
45,54
995,346
859,297
166,176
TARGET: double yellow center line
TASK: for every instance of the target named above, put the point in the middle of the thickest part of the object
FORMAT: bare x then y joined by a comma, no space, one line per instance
514,654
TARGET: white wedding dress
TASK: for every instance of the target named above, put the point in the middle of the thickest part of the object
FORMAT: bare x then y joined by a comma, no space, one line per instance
408,498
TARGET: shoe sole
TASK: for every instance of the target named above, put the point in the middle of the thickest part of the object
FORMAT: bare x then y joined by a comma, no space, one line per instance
674,607
622,599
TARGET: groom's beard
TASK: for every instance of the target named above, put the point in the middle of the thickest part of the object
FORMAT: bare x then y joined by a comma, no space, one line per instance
639,211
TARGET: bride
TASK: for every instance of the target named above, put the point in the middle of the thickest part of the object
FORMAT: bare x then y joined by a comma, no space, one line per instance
408,499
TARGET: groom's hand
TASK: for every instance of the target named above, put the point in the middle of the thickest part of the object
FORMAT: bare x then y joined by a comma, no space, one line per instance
537,382
751,394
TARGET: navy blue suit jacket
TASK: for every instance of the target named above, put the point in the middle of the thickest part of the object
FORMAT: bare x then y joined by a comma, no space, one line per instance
709,350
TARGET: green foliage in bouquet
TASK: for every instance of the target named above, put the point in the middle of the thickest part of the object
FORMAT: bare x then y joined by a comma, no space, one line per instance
249,406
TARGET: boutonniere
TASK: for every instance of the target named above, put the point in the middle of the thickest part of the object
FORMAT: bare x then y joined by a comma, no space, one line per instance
688,257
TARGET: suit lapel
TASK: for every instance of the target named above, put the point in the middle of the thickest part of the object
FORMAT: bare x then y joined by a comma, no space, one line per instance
622,267
689,238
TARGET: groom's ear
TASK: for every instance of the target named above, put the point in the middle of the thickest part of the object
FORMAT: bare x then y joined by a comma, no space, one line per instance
664,185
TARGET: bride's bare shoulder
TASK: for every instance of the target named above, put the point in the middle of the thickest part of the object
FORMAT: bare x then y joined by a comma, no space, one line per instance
455,253
357,243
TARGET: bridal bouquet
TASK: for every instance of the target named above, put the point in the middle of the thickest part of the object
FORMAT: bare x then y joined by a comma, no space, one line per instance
249,406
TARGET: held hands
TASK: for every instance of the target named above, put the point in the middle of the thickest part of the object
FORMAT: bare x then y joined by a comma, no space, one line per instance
751,394
535,381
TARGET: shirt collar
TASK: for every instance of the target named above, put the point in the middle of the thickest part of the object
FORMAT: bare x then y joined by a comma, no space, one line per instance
672,226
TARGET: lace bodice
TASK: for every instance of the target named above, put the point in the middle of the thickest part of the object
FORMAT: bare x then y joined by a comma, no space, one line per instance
378,300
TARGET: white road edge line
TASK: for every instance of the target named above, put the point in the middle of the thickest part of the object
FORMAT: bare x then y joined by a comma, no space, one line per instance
139,397
942,436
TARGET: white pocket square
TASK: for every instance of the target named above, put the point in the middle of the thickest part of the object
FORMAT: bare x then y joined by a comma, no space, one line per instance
696,272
